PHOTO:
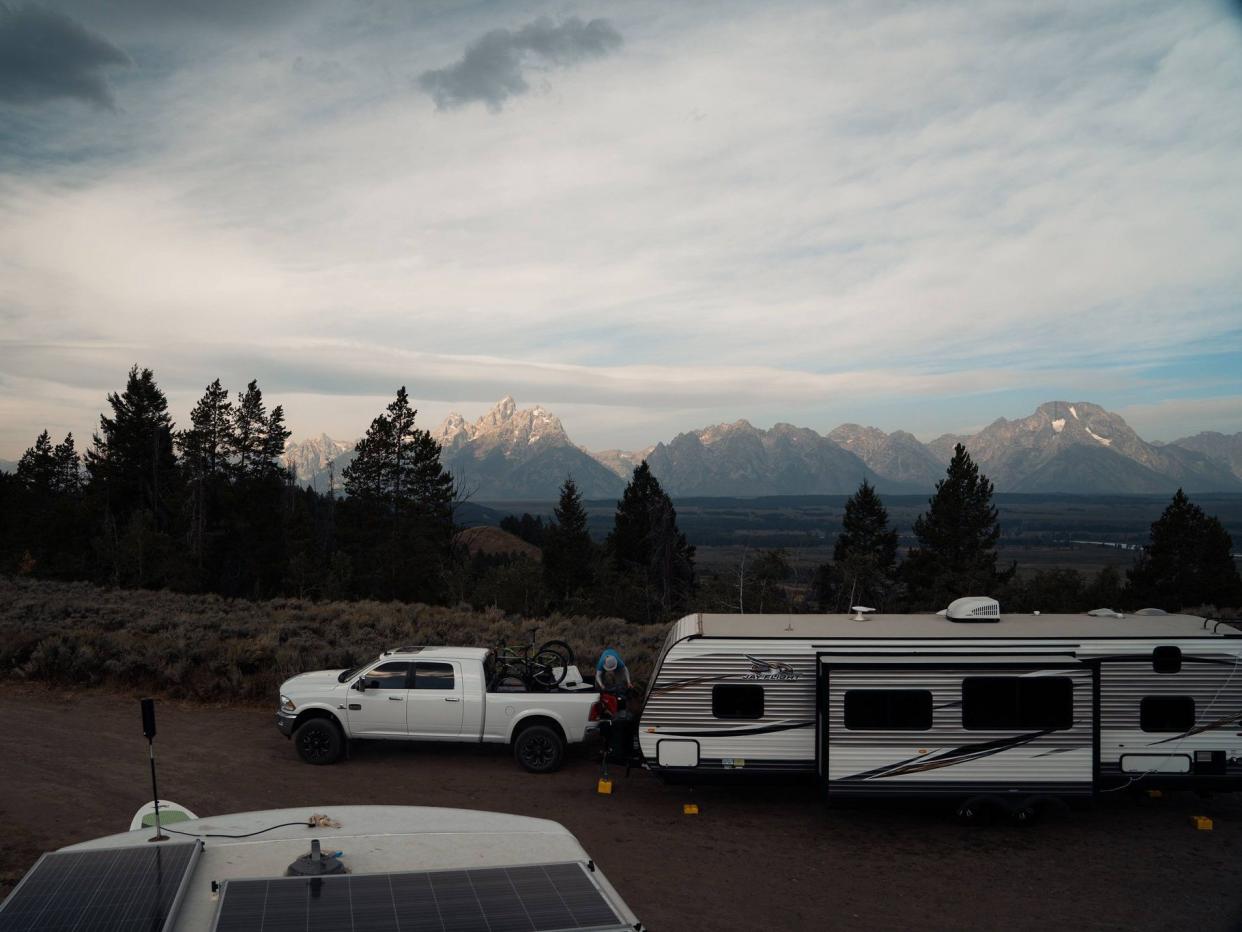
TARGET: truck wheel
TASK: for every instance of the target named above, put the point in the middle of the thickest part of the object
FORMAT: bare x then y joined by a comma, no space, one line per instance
318,741
539,749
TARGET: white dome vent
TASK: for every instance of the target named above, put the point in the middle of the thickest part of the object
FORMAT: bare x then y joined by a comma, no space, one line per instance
974,608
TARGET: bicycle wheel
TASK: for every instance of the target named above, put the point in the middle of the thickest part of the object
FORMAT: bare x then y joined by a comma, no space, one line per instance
548,669
565,652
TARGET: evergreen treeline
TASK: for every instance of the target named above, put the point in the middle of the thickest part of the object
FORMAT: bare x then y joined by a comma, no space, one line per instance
210,508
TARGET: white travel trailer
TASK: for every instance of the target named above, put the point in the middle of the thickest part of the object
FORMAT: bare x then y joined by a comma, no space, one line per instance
968,703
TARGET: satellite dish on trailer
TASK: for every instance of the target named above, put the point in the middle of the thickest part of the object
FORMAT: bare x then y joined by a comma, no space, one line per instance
860,612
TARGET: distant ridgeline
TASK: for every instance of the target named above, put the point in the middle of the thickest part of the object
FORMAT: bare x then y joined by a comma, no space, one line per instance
514,454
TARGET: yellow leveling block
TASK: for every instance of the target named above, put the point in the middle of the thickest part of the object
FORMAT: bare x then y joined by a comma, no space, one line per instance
690,809
1202,823
605,786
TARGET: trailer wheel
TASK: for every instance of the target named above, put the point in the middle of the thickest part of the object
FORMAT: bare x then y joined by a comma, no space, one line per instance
1026,815
319,741
539,748
978,810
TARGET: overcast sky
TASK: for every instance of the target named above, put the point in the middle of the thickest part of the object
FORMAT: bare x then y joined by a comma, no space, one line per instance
647,217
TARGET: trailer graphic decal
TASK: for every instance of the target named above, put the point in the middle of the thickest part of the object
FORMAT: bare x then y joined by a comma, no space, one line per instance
769,670
738,732
1199,729
948,758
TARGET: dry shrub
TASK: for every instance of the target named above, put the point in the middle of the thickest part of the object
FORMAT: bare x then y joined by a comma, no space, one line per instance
212,648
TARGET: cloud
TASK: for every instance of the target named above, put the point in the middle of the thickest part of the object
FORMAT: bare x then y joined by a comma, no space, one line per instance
962,212
491,70
45,55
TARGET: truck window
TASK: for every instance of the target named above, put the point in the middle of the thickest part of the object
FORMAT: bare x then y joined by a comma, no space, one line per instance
392,675
429,675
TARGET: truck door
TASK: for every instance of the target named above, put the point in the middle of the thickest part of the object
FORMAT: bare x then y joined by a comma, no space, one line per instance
436,705
379,710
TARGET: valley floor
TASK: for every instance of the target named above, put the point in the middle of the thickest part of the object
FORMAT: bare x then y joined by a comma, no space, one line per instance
75,767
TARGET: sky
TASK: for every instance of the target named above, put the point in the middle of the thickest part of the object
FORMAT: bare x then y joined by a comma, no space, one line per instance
647,217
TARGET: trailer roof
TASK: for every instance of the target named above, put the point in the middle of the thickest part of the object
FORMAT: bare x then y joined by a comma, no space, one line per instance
937,626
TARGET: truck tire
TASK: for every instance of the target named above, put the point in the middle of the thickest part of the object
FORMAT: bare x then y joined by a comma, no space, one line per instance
319,741
539,749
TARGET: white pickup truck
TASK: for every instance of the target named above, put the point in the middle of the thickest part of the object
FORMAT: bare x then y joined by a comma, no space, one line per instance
434,694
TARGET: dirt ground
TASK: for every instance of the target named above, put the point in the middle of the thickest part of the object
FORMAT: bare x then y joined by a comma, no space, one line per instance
74,766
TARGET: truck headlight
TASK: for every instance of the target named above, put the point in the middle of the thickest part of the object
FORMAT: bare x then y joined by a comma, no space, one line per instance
286,704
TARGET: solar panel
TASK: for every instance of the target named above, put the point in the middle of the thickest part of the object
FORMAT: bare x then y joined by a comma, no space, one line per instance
532,898
130,889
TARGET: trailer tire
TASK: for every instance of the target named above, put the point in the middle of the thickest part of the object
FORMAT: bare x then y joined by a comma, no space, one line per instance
539,748
319,741
1026,815
978,810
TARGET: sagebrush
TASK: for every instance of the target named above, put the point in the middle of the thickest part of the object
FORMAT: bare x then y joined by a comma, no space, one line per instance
212,648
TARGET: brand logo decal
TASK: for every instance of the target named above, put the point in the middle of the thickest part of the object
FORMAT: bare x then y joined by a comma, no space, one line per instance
770,670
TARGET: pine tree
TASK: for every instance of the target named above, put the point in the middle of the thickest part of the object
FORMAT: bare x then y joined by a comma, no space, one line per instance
957,536
68,464
568,552
647,546
37,467
275,436
396,482
132,459
246,443
1188,562
398,464
205,450
864,556
205,446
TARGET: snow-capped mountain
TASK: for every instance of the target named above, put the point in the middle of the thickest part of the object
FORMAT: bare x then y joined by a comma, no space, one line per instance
516,453
1080,447
898,456
1221,449
740,459
622,462
309,459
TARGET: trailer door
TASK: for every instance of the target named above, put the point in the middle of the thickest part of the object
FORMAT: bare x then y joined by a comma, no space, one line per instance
939,725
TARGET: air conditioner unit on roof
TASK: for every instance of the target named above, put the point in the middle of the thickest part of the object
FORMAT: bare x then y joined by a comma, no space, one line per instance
973,608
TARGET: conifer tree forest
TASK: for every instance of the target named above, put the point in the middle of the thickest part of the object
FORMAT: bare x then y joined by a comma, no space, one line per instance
210,507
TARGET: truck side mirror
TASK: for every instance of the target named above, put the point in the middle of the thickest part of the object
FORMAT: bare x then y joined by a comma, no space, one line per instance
360,684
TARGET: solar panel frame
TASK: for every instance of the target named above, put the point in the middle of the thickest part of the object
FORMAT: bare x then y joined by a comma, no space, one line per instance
551,897
102,904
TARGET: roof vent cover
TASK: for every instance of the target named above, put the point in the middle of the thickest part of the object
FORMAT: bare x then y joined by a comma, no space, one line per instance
977,608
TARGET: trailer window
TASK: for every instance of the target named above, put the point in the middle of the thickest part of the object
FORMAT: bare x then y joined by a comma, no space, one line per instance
1017,703
888,710
737,701
1167,713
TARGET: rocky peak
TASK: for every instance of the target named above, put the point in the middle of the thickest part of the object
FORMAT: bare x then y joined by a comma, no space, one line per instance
505,426
452,431
309,456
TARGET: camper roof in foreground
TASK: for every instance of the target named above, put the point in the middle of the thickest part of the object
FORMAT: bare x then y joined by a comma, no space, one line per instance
938,626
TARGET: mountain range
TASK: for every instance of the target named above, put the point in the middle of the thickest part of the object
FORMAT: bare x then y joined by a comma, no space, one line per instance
513,453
